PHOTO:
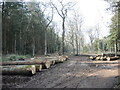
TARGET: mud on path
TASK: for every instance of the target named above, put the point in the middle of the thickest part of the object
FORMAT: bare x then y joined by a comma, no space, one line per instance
78,72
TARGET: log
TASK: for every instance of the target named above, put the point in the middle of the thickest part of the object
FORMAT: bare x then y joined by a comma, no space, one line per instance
103,58
98,58
113,58
92,57
19,70
38,67
109,55
53,62
28,62
47,58
47,64
59,61
65,57
48,61
99,55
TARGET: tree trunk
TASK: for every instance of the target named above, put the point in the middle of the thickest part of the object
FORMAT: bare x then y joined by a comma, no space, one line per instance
77,44
72,42
79,47
45,53
33,42
115,48
15,44
33,50
20,38
73,49
63,35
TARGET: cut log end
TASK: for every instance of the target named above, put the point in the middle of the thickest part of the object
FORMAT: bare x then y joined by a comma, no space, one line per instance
33,69
38,68
53,62
97,58
92,58
47,65
108,58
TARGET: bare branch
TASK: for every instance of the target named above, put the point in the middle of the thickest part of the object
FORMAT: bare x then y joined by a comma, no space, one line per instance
50,20
56,9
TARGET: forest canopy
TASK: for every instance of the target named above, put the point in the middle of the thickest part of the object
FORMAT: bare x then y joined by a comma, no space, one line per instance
24,26
26,29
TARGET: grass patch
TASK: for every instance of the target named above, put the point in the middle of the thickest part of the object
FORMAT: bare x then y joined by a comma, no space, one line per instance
14,57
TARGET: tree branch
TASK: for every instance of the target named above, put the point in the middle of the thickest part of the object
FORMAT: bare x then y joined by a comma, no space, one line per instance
56,9
50,19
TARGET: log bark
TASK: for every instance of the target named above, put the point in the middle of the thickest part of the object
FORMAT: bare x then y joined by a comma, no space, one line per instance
111,54
57,59
30,62
60,60
19,70
53,57
39,63
113,58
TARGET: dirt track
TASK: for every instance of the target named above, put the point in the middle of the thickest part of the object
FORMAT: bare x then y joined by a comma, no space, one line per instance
73,73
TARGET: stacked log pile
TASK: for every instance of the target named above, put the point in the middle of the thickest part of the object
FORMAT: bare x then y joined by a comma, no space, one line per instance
31,66
104,57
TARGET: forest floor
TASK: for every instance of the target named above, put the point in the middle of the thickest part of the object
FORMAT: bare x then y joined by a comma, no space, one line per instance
77,72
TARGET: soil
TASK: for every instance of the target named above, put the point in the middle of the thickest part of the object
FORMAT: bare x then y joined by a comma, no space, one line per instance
77,72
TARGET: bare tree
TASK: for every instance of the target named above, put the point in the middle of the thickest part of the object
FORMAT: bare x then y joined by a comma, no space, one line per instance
75,32
97,28
49,18
78,24
92,37
31,9
71,35
63,14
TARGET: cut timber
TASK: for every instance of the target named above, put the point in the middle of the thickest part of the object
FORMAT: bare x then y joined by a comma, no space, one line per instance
60,60
110,55
103,58
19,70
113,58
38,67
98,58
30,62
92,57
56,57
53,62
47,64
99,55
65,58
